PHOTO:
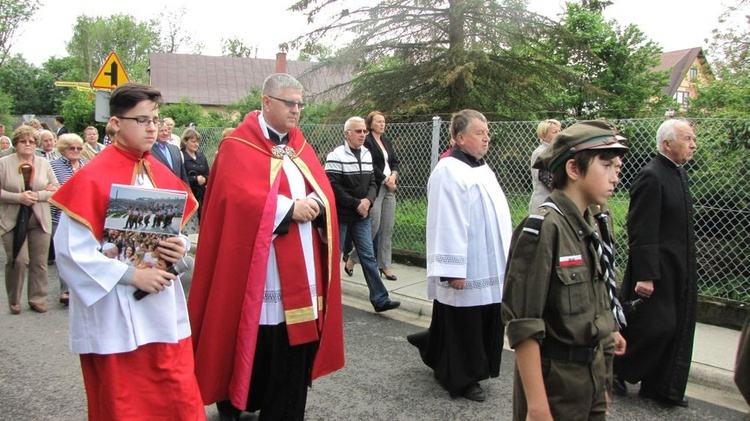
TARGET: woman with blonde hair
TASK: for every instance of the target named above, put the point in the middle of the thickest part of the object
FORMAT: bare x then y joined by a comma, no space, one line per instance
541,180
69,146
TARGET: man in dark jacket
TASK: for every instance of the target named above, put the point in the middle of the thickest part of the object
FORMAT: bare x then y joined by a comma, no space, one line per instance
349,168
661,271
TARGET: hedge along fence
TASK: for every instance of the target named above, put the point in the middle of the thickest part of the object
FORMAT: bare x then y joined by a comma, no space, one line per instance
718,178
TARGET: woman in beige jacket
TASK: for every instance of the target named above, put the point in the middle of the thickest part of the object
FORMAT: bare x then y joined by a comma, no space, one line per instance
33,252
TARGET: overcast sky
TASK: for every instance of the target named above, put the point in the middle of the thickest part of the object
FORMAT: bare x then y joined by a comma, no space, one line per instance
674,24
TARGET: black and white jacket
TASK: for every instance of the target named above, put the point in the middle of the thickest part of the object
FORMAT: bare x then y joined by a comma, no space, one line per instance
352,179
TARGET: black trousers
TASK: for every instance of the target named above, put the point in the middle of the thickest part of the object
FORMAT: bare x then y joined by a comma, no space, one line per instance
281,375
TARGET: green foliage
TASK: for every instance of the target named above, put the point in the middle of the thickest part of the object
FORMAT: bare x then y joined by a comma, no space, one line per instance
95,37
727,97
611,68
438,57
318,113
730,46
20,80
240,108
183,113
6,104
78,109
13,13
234,47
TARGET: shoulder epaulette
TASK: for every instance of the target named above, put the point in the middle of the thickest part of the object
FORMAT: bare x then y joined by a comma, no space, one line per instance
551,205
534,222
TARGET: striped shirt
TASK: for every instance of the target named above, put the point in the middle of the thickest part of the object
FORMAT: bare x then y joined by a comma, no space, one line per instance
63,171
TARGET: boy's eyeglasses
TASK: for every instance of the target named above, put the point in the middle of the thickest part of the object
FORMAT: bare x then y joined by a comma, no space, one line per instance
143,121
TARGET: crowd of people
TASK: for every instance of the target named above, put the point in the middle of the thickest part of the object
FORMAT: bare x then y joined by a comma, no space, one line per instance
264,316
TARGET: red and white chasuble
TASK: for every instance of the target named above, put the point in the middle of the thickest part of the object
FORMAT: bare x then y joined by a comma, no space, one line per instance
232,262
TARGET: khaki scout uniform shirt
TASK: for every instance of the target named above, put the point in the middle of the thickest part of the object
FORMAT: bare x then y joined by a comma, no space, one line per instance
553,289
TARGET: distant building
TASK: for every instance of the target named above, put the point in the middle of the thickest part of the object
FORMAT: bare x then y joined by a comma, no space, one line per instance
214,82
688,69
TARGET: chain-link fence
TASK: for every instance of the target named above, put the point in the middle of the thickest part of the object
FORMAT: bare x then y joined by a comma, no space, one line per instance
718,178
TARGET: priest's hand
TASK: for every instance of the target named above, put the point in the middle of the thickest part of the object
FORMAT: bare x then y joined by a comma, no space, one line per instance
171,249
644,288
152,280
305,210
457,283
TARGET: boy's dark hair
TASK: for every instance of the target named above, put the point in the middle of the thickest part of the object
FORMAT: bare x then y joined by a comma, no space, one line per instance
582,159
61,119
127,96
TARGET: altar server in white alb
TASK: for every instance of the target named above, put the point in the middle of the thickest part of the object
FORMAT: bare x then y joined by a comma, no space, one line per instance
468,237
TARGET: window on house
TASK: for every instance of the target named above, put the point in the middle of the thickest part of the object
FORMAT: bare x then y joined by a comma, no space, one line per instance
682,97
693,73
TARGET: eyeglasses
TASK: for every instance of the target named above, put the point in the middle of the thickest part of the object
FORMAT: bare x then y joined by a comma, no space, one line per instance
358,131
143,120
27,141
289,103
74,148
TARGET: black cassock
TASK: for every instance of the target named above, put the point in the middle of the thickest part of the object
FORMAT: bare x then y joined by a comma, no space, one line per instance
661,248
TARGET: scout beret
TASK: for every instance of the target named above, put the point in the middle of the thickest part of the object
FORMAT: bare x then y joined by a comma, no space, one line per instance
593,134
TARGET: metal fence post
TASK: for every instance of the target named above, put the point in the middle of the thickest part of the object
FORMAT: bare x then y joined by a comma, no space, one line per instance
434,152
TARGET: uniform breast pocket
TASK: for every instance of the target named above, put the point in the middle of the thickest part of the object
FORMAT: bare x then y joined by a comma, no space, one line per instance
573,297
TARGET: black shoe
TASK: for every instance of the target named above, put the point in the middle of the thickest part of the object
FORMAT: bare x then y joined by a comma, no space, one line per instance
388,305
345,257
682,403
475,393
388,277
418,339
619,387
348,271
227,412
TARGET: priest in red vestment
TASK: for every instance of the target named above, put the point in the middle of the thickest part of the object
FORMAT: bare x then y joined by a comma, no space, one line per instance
265,300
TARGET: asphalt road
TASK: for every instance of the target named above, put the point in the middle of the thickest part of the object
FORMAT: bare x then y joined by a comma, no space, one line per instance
384,378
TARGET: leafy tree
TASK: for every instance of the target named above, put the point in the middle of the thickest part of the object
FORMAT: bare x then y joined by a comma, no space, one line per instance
234,47
18,78
78,109
175,39
612,67
183,113
249,103
13,13
95,37
438,56
6,104
729,95
730,47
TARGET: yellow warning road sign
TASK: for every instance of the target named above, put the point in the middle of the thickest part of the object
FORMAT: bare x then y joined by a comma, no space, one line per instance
111,75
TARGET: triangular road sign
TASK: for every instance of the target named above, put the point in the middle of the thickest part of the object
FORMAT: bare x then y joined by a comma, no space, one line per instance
111,75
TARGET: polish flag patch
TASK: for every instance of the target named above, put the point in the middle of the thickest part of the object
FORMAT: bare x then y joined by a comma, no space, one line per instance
575,260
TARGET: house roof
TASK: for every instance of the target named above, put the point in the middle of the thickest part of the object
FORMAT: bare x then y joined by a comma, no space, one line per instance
678,62
208,80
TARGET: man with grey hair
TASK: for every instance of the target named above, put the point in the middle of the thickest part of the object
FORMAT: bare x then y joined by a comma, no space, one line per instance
468,238
265,301
661,272
350,171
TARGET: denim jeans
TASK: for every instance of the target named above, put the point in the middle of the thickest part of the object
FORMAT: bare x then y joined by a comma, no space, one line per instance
360,234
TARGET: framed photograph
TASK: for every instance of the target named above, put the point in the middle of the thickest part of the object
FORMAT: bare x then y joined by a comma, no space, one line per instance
137,219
